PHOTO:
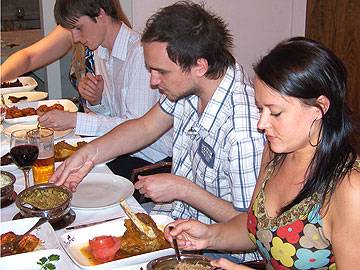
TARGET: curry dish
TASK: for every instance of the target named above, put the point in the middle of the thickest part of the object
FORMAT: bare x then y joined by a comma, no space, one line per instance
133,242
45,199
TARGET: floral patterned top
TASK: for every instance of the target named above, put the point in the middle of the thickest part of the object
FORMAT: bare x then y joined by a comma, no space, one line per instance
293,240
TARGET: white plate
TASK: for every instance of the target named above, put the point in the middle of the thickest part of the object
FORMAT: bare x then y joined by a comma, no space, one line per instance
69,106
30,260
45,232
31,96
73,241
101,190
57,134
28,84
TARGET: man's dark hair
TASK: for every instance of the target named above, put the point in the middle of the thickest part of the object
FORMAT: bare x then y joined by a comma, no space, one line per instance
192,33
68,12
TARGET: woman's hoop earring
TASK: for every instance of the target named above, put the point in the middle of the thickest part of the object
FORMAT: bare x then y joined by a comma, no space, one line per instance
309,135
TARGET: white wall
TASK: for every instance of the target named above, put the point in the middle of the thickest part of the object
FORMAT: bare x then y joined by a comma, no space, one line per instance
257,25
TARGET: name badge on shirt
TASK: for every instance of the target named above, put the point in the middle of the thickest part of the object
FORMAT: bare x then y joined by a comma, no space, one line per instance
206,153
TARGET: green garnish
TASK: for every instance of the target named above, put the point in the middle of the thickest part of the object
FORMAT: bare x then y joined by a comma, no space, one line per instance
46,263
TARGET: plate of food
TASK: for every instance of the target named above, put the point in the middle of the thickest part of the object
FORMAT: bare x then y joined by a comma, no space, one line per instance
20,84
117,244
27,112
29,96
41,238
50,259
101,190
57,134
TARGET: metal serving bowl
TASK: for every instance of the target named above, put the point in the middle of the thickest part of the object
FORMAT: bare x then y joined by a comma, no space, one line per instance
8,188
52,213
170,262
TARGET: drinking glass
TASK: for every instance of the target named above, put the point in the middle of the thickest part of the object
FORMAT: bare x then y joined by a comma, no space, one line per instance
44,166
23,152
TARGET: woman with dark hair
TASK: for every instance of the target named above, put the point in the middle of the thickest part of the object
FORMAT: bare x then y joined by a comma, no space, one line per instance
304,211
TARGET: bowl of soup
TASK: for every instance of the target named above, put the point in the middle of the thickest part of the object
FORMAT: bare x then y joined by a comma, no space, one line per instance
7,181
44,200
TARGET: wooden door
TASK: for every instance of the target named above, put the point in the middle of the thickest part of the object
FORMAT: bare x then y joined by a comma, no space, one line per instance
336,23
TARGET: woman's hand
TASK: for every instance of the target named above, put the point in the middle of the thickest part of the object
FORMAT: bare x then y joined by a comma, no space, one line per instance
190,234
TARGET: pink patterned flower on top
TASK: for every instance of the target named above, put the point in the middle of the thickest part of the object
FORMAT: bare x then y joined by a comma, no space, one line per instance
291,231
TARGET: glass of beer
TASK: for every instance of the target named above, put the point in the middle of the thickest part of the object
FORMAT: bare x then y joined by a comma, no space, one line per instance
44,166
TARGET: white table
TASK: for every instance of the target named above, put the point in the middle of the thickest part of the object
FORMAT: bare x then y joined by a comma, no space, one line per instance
82,216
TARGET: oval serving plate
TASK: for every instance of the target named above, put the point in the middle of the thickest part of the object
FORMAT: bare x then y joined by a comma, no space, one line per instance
69,106
57,134
28,83
30,96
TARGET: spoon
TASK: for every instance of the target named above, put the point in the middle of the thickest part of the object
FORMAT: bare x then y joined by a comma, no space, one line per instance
13,246
176,247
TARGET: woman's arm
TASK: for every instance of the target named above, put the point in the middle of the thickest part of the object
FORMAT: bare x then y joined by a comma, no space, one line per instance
45,51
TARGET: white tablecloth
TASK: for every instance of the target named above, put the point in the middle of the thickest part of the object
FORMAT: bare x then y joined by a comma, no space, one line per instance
82,216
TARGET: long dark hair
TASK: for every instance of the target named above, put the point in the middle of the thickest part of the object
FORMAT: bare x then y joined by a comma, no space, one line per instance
305,69
67,12
192,33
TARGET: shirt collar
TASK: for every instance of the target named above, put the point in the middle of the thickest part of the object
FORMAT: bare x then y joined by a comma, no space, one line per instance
120,45
212,109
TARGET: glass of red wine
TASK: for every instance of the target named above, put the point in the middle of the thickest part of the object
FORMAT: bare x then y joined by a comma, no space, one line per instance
23,153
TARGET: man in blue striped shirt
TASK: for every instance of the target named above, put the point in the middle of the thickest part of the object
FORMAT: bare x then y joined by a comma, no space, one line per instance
209,102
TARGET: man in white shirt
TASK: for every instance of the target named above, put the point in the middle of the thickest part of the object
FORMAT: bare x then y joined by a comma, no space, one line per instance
119,91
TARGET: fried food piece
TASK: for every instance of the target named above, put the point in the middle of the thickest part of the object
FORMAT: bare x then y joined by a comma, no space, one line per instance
42,109
63,150
56,107
28,243
17,83
28,111
16,99
7,237
13,112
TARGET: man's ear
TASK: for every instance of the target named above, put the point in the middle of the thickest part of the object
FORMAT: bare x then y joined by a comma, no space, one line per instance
201,67
101,16
324,103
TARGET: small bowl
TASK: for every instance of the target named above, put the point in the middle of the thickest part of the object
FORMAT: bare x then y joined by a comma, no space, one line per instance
53,212
7,185
169,262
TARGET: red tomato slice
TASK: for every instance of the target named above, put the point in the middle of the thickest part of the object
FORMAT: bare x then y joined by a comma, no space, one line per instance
103,241
103,248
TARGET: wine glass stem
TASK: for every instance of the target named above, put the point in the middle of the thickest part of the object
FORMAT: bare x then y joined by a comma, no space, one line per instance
26,175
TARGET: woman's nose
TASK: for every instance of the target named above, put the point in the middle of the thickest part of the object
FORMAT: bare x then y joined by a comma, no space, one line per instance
263,122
